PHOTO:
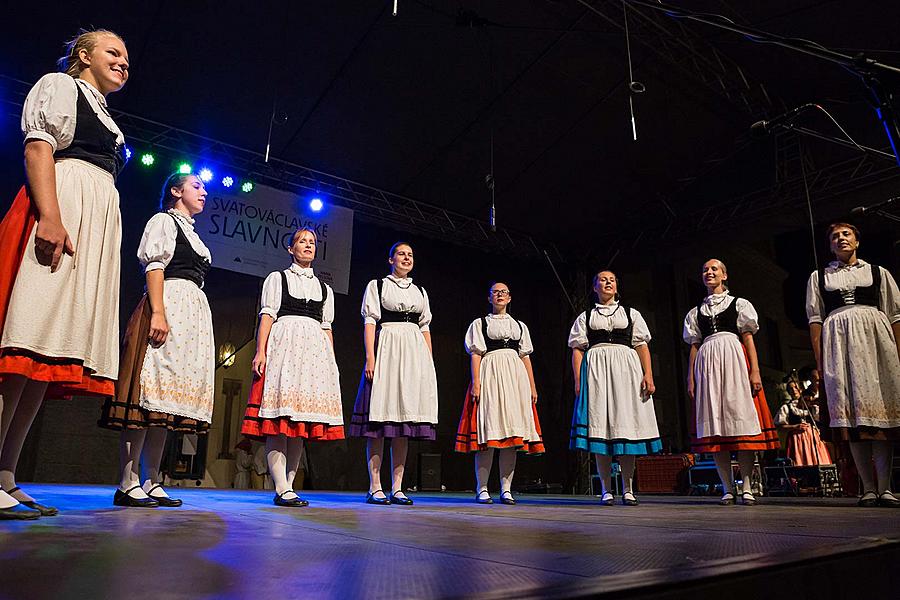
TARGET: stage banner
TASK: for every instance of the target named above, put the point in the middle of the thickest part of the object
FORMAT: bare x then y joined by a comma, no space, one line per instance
249,233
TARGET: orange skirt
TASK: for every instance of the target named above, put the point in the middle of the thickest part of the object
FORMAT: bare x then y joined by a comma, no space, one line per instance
257,427
767,439
467,432
67,377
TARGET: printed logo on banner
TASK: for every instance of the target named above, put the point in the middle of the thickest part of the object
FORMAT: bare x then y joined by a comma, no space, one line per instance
249,233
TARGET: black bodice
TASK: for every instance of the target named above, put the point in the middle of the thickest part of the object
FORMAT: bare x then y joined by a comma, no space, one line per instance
93,142
621,336
867,296
301,307
186,262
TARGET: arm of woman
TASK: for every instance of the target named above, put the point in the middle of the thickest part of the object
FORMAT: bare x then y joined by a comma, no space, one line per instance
815,337
691,360
427,336
647,386
577,357
755,379
530,370
330,337
159,326
50,237
369,343
262,343
476,376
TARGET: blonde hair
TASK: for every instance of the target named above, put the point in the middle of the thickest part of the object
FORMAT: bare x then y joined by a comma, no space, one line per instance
300,231
86,40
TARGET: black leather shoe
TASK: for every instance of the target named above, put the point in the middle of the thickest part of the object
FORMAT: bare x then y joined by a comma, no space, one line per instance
483,500
371,499
46,511
628,499
747,499
607,500
507,498
404,501
727,499
164,500
124,499
888,499
868,500
19,512
292,503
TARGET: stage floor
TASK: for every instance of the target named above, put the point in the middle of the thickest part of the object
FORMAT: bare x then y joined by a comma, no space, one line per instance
236,544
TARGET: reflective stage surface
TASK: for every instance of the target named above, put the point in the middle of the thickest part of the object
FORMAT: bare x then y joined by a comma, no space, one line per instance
237,544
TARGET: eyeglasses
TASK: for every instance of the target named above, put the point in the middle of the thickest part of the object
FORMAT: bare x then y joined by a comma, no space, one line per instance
500,292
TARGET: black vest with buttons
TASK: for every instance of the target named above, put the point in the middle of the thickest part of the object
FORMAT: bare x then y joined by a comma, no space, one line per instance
866,296
186,262
492,344
301,307
613,336
724,321
93,142
396,316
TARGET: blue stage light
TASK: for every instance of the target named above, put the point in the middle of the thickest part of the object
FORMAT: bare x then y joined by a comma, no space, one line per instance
316,204
228,181
205,175
127,153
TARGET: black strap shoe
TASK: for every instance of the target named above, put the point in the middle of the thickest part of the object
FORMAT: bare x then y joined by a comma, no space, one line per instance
19,512
46,511
371,499
485,499
125,499
402,501
507,498
297,502
629,499
164,500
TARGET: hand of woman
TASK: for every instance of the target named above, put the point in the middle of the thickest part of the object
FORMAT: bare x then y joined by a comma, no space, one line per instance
259,365
159,329
647,386
577,387
690,388
370,367
476,391
755,382
50,241
534,396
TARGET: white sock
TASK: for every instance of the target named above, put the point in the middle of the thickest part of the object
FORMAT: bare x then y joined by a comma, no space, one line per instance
723,466
604,470
862,458
158,492
746,459
883,455
626,464
7,501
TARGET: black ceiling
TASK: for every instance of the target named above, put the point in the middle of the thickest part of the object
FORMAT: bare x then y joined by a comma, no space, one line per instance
410,103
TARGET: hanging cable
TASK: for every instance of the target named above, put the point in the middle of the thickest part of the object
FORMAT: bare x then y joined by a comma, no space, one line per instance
812,225
634,87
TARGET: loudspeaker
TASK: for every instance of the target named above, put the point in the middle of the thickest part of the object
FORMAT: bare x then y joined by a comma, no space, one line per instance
430,472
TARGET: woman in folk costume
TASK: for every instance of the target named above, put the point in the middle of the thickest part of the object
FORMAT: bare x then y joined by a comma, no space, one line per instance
798,416
853,309
500,407
729,405
397,395
59,251
614,387
167,369
296,392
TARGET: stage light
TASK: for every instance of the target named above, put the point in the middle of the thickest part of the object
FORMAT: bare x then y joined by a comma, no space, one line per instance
316,204
205,175
147,159
247,187
127,153
184,168
228,181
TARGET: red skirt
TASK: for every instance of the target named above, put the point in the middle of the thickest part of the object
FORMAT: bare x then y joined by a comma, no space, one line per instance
467,432
255,426
767,439
67,377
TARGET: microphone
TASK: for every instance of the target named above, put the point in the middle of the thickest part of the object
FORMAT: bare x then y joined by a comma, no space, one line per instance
862,210
765,127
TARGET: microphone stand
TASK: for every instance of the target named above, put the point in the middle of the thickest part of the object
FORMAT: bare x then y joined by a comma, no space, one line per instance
872,73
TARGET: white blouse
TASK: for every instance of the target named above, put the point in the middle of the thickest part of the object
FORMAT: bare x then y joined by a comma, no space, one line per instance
607,317
158,242
839,276
303,285
51,108
499,327
714,304
398,294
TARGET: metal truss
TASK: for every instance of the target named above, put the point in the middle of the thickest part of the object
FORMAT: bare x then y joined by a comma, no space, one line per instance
369,203
685,50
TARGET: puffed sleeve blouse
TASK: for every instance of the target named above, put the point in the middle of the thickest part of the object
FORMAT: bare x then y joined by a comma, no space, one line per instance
158,241
608,317
844,277
499,327
51,109
399,294
302,284
714,304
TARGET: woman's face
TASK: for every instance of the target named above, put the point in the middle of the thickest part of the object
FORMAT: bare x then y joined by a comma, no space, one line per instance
107,64
606,286
402,260
843,241
793,390
499,295
191,197
304,248
713,274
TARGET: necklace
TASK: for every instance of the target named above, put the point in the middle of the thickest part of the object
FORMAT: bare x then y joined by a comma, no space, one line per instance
397,283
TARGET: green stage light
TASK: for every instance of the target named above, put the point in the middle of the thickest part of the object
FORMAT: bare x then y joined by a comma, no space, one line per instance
147,159
247,187
184,168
